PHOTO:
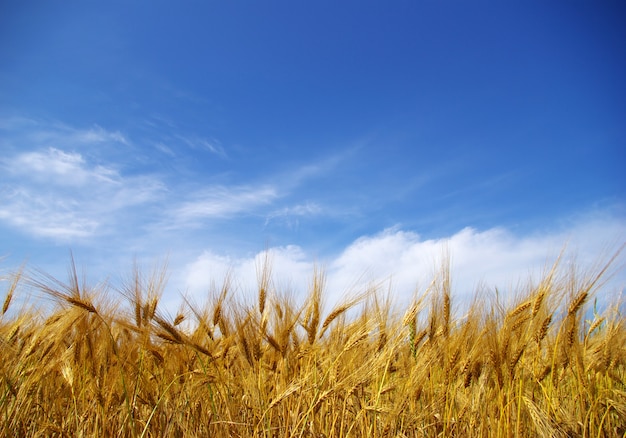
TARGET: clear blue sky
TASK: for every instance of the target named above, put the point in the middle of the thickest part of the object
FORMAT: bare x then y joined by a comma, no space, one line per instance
210,130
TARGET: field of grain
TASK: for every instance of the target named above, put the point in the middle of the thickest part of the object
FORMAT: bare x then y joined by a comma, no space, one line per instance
100,362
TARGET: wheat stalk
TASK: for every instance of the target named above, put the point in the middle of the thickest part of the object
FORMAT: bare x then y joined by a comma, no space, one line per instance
577,303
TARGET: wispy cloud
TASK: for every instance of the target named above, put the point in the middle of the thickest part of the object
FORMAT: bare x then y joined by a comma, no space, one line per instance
84,210
61,192
167,136
224,201
319,168
59,167
45,215
212,145
65,182
96,134
58,135
290,215
164,149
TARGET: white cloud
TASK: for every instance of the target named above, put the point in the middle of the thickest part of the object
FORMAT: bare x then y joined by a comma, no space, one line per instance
290,267
491,258
479,259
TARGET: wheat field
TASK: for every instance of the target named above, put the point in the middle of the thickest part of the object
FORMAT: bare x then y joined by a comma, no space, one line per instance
113,363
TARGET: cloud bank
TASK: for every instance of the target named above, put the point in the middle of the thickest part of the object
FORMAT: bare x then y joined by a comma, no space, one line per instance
402,262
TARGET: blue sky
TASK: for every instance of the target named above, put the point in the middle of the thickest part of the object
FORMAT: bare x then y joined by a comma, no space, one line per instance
363,136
